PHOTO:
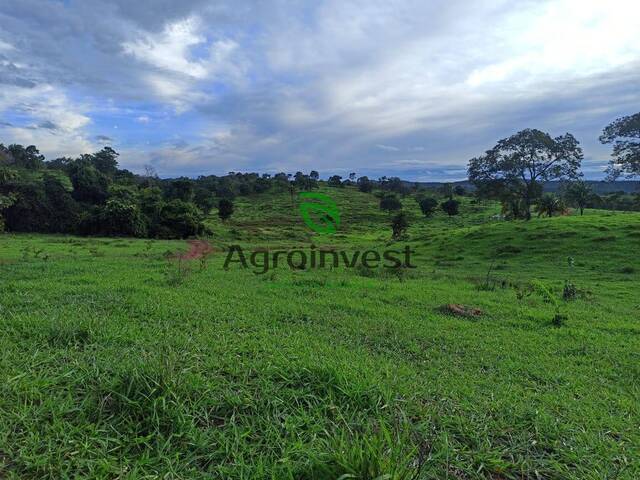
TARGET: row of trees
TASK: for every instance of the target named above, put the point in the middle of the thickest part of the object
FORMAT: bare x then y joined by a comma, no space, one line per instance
515,170
91,195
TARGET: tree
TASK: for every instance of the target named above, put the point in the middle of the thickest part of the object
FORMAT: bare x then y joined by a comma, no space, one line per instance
225,209
624,134
578,194
204,199
549,205
335,181
89,185
451,207
428,206
122,217
390,203
5,202
447,190
352,176
460,190
399,225
179,219
517,166
314,175
364,184
182,189
28,157
106,161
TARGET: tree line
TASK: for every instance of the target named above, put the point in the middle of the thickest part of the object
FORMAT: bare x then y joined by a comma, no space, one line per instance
91,195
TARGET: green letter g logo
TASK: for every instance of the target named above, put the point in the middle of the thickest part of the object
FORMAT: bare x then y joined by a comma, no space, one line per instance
319,212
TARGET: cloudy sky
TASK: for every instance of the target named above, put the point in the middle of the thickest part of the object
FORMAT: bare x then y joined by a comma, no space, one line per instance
392,87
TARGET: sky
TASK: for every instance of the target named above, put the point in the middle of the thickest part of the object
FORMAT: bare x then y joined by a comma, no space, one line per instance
395,87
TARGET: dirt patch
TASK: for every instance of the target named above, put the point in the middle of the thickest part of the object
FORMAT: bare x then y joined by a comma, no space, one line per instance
197,249
461,310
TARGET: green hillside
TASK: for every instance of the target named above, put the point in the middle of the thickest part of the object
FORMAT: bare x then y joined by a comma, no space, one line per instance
119,360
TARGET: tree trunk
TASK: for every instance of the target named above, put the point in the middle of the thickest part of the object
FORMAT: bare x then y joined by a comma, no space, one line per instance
527,208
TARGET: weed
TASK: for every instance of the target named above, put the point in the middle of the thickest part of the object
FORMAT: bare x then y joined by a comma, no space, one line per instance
176,272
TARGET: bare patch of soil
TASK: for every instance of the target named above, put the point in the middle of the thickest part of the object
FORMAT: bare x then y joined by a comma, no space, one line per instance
197,249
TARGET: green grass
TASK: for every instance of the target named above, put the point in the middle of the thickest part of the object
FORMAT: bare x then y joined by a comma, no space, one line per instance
117,361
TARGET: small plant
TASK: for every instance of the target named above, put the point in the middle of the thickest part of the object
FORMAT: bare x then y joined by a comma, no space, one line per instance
95,252
559,318
569,292
399,225
176,273
489,284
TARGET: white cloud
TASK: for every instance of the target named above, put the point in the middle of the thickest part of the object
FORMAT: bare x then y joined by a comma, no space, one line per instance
336,84
57,125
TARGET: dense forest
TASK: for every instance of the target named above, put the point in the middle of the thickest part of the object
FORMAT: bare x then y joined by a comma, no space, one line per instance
91,195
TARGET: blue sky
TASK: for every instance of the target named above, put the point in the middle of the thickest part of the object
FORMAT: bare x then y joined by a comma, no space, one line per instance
394,87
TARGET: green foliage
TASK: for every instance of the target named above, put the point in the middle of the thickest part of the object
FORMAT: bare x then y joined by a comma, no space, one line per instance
122,217
335,181
428,206
451,207
365,185
179,219
447,191
550,205
390,203
578,194
89,184
515,168
399,225
624,134
225,209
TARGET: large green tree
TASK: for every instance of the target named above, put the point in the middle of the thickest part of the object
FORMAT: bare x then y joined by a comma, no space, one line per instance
518,165
624,134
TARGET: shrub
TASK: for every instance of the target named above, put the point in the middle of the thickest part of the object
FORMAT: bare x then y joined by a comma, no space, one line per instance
451,207
225,209
390,203
120,217
569,292
399,225
428,206
179,219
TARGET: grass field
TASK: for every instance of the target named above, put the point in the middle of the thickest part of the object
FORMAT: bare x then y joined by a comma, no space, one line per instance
119,361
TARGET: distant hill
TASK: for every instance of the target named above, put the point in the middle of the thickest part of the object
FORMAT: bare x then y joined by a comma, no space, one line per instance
599,186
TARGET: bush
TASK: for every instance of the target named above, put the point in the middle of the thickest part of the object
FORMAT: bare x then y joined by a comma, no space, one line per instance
225,209
451,207
179,219
399,225
390,203
121,217
428,206
569,292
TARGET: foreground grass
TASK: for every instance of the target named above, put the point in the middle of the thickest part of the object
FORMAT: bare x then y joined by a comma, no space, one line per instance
119,362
